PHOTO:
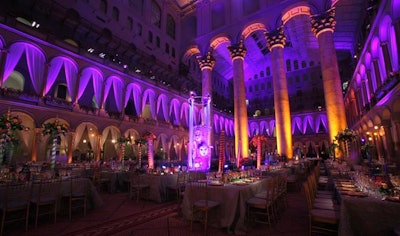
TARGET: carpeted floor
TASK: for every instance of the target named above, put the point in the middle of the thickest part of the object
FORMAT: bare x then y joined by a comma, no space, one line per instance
121,216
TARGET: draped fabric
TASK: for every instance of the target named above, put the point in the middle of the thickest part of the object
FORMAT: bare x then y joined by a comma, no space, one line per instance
78,135
118,86
93,139
35,60
272,127
97,86
308,121
164,104
114,136
135,90
52,74
321,119
296,122
175,110
185,113
83,82
150,96
163,139
26,137
71,74
222,122
13,57
87,74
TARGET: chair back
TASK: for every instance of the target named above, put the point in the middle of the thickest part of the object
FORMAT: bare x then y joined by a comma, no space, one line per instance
198,192
46,190
15,195
78,186
181,179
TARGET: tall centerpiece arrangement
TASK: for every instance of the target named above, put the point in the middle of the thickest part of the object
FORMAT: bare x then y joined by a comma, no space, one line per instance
346,137
150,137
257,141
8,125
122,141
140,142
54,130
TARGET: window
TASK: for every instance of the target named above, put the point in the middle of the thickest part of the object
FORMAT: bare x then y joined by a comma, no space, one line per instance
155,14
262,86
297,78
167,48
150,37
103,6
311,63
139,29
268,71
170,26
296,64
115,14
269,85
158,43
173,52
129,23
288,65
303,64
305,77
262,74
256,87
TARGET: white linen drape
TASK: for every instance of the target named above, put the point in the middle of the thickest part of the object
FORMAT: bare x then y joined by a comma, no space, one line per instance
35,61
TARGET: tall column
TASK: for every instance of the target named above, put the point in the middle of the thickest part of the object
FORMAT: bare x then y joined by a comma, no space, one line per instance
35,143
377,73
323,26
98,148
388,138
70,140
386,57
238,51
3,56
397,32
397,134
276,41
364,93
370,85
207,63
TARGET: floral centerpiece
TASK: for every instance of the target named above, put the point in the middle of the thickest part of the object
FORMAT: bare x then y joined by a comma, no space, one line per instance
8,125
140,142
122,141
256,141
346,135
54,130
150,137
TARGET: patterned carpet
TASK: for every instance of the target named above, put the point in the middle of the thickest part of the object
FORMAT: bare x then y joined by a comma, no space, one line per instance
121,224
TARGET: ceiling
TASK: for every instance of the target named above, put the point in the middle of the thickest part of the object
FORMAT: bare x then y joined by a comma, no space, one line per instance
301,42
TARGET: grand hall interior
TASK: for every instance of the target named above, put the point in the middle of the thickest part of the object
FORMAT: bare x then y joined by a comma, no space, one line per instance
200,117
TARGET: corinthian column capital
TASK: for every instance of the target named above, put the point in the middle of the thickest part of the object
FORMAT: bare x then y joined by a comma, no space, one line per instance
323,22
276,38
207,61
237,50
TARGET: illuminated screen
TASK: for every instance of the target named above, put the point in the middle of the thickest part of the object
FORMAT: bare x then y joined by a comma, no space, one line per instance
201,150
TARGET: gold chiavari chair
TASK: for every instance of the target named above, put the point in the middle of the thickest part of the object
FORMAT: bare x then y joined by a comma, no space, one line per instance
201,205
15,203
45,197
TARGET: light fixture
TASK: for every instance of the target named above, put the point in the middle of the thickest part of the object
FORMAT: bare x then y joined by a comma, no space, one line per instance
84,141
